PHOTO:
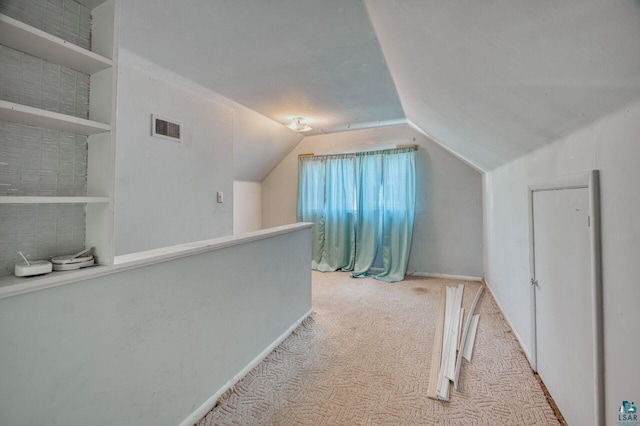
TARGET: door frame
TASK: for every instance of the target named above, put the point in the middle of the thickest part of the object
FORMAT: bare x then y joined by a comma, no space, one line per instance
591,181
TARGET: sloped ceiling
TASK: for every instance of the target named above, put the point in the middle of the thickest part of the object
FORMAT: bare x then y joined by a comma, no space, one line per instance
493,80
489,80
281,58
259,144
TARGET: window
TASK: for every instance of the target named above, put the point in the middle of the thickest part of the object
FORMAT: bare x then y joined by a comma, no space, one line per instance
361,205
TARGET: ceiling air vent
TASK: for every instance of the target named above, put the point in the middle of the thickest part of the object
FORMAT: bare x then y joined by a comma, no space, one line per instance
166,128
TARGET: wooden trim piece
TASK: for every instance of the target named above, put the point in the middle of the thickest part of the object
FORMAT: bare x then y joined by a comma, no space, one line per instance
452,317
465,335
436,356
533,354
309,154
457,320
443,383
577,180
596,288
460,329
414,146
467,351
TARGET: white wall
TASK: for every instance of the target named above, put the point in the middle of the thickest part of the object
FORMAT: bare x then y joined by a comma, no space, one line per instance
259,143
223,141
247,206
610,145
148,346
166,191
447,235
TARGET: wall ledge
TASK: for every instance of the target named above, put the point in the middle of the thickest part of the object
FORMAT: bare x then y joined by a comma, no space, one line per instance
445,276
13,286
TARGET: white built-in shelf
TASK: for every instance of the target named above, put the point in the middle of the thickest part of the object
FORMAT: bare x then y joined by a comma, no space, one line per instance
23,114
20,36
52,200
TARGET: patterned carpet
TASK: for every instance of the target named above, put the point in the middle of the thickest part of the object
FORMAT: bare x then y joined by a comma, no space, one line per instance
363,358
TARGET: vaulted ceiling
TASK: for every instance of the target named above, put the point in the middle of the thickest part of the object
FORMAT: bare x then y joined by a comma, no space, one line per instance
490,80
282,58
493,80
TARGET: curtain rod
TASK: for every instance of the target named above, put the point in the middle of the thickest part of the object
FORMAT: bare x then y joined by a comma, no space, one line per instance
311,154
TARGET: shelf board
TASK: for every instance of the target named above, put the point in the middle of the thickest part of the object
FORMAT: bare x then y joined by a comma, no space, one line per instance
20,36
91,4
52,200
23,114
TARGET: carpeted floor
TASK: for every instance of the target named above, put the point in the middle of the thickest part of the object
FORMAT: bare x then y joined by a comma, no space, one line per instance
364,356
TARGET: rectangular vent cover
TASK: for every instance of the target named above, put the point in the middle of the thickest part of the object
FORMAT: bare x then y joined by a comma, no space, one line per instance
166,128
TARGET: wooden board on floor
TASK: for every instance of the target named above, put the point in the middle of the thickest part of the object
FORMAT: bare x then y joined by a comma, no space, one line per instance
465,334
437,348
467,351
456,320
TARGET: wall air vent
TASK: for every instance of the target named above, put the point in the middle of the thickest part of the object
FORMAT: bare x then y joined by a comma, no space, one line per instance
166,128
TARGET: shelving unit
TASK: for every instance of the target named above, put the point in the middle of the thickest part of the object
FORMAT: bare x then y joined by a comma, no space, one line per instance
35,42
100,66
53,200
23,114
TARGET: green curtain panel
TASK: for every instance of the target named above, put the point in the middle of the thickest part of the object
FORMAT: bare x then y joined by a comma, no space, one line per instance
398,208
362,207
340,210
311,203
368,225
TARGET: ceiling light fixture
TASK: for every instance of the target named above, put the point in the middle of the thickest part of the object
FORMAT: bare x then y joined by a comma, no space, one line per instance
298,124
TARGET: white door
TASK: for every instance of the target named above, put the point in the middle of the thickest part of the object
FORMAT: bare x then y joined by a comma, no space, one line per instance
563,296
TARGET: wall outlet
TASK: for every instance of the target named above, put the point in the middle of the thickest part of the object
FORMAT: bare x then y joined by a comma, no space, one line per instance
220,199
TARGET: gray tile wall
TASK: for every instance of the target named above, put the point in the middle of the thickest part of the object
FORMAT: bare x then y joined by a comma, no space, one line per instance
36,161
41,231
41,162
27,80
66,19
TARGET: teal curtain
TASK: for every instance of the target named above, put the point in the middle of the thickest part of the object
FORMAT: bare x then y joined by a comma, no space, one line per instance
398,208
368,225
311,187
340,205
361,205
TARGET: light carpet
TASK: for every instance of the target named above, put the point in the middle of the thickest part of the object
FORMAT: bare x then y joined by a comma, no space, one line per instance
364,356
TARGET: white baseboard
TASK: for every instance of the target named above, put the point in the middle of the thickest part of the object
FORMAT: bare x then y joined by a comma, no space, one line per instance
445,276
526,351
201,411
